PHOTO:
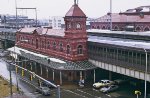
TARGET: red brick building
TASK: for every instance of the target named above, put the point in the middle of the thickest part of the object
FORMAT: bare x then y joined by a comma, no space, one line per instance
137,19
69,44
60,53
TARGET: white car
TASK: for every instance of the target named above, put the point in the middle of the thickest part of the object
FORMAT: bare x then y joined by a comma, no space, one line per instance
102,83
109,88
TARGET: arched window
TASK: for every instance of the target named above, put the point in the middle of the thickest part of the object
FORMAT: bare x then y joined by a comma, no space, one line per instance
28,41
42,44
68,49
37,46
32,42
54,45
80,49
103,27
48,45
21,38
98,27
92,27
146,29
138,29
69,25
78,26
116,28
61,47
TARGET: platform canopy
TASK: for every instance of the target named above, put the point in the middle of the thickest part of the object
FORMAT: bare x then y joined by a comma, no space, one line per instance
138,44
51,62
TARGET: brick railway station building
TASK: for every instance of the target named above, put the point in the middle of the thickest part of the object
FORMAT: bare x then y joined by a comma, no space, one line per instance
137,19
75,53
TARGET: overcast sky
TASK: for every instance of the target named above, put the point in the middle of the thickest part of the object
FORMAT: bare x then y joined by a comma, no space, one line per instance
46,8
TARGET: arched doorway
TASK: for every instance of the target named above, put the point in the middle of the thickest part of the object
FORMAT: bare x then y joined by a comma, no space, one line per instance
92,27
98,27
103,27
116,28
146,29
138,29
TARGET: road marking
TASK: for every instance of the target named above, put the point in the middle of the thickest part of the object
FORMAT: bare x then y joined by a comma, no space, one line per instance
108,95
98,91
87,93
115,94
36,92
75,93
95,90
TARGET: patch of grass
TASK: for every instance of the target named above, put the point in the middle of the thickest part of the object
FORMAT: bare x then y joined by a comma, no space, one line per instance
5,88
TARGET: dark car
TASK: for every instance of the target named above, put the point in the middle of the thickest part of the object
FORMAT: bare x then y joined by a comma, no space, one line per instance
46,84
43,90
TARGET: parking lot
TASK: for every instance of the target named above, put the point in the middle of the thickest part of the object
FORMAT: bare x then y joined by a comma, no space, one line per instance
124,91
92,93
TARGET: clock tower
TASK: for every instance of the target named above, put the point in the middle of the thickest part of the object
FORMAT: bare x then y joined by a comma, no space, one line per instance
75,32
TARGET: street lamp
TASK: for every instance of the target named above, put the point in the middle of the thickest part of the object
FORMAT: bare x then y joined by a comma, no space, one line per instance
145,72
137,93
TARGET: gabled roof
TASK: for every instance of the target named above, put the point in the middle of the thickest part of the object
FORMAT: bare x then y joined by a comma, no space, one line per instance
56,32
75,11
44,31
30,30
116,17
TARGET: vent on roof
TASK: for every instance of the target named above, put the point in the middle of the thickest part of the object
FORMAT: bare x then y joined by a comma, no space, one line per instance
141,15
48,61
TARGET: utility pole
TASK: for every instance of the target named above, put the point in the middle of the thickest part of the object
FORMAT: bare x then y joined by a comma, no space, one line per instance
36,16
31,9
145,86
77,2
14,47
111,15
16,14
10,80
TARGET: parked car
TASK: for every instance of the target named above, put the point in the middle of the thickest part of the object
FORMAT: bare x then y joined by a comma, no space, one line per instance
102,83
43,83
109,88
43,90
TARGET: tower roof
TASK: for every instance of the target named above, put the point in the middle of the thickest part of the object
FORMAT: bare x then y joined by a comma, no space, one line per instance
75,11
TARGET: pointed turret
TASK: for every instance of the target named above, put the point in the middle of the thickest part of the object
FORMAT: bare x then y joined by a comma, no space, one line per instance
75,11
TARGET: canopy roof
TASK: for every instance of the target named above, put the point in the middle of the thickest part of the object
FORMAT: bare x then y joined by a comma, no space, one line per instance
44,31
54,63
138,44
